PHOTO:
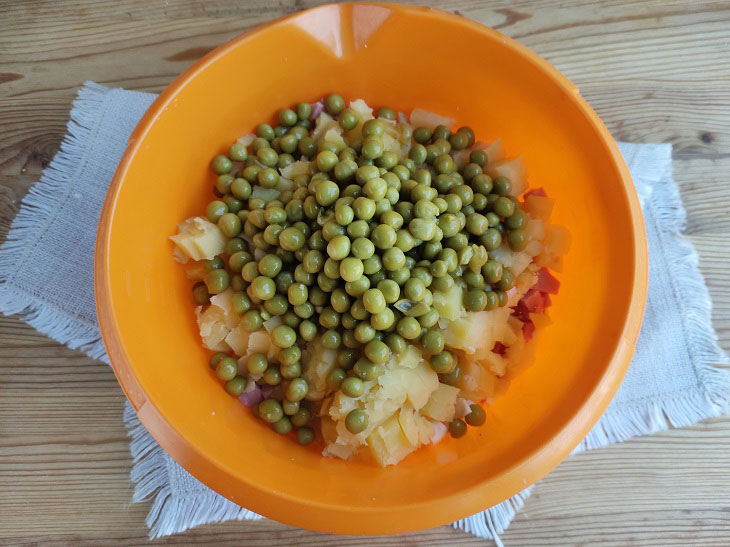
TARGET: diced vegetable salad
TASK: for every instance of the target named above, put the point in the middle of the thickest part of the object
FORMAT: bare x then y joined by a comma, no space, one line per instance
366,278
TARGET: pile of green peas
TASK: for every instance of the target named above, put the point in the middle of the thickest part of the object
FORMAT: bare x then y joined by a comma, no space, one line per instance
355,252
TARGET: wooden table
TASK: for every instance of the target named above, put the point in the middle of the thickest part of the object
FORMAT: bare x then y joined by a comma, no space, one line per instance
654,72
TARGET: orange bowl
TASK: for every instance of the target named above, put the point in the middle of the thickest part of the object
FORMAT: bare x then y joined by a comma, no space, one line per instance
404,57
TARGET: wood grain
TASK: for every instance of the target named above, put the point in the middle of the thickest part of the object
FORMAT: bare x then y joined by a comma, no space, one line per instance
654,71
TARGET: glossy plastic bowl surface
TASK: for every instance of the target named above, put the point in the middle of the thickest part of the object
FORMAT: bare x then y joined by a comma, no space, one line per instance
404,57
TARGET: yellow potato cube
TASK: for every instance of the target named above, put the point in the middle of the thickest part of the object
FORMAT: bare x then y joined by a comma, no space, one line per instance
199,239
441,404
388,444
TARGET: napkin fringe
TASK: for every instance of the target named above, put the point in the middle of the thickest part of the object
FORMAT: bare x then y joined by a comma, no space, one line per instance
495,520
681,410
170,514
42,200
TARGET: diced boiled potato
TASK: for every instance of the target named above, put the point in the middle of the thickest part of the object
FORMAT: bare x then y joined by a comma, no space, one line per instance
388,444
417,429
502,254
299,167
342,451
449,303
333,135
393,384
533,248
362,109
440,405
494,151
247,140
284,184
328,428
424,118
540,320
409,358
237,339
324,122
461,158
413,384
341,406
535,228
199,239
476,382
513,169
267,194
213,328
318,365
425,382
259,342
539,207
479,331
520,352
520,261
495,363
195,270
224,301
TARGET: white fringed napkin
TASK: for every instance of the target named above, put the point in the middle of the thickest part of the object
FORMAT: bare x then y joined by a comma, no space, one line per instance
46,275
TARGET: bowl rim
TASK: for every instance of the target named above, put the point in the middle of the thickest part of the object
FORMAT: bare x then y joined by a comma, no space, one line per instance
304,513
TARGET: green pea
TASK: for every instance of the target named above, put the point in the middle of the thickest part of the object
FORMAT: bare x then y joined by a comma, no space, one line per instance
235,386
301,417
383,320
377,352
351,269
374,301
305,435
507,280
457,428
335,378
383,236
334,104
356,421
502,186
443,362
357,287
358,229
364,208
372,265
475,300
387,160
307,330
290,408
348,119
366,370
517,240
216,358
276,305
353,386
339,247
263,287
291,239
504,207
409,328
257,363
221,164
317,297
414,289
296,390
270,265
491,239
227,368
364,332
217,281
396,343
270,410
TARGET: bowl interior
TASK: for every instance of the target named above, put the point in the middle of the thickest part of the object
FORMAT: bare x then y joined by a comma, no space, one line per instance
405,58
